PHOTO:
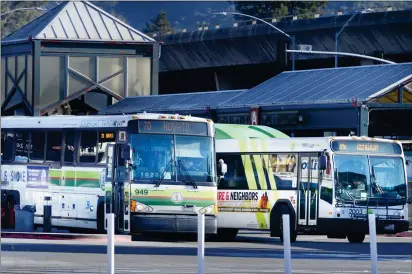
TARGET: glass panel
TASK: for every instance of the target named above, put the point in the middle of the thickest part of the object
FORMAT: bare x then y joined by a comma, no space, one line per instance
194,158
152,157
51,79
38,140
388,177
11,65
29,76
22,83
326,191
115,84
88,141
76,84
21,146
54,146
283,168
109,66
138,76
83,65
7,139
69,151
10,85
96,100
3,79
21,65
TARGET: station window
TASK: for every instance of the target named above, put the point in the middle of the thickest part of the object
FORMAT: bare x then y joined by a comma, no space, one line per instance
54,146
38,140
235,177
21,146
88,142
69,147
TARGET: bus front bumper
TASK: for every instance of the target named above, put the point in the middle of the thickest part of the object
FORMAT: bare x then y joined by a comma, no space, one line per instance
170,223
361,226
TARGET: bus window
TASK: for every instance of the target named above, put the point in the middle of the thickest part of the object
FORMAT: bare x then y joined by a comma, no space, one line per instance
235,177
104,139
69,146
54,146
284,170
88,142
7,146
38,140
21,146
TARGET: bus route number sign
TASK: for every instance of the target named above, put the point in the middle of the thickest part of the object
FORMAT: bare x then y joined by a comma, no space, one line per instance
172,127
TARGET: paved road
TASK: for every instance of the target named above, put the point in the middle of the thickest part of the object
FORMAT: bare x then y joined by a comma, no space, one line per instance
250,253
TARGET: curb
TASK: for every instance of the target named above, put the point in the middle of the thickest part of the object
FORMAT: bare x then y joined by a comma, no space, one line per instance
400,234
50,236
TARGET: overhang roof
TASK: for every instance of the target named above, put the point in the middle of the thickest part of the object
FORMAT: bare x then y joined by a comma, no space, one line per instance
78,21
321,86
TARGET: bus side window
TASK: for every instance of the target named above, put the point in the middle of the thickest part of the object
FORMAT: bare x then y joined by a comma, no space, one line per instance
87,151
38,140
235,177
69,147
54,146
21,146
284,170
7,139
105,138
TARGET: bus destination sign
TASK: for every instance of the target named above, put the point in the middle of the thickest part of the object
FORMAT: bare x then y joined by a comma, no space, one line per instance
365,147
172,127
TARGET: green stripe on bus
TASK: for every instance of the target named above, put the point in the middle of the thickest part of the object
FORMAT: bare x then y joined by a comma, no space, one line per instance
262,131
220,134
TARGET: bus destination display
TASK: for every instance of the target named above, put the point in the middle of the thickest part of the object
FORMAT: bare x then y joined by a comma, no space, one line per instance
172,127
354,146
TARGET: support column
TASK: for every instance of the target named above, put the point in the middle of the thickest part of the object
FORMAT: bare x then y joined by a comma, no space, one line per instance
36,77
155,69
363,128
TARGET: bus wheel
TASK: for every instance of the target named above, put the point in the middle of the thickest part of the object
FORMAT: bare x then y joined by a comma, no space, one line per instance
293,233
100,219
356,238
226,234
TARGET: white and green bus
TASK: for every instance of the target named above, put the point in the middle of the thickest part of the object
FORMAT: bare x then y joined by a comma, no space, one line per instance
328,185
154,171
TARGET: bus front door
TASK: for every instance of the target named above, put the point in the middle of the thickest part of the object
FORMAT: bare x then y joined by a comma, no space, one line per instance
308,189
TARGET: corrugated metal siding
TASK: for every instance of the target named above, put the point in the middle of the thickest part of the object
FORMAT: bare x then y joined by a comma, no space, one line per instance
78,21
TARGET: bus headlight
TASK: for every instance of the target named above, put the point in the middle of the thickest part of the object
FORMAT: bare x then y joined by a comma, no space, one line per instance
208,210
139,207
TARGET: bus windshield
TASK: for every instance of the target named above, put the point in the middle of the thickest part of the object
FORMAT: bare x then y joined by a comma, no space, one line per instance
359,177
181,159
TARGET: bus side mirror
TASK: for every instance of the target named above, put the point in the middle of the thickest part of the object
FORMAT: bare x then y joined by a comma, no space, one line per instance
222,169
408,162
126,153
323,160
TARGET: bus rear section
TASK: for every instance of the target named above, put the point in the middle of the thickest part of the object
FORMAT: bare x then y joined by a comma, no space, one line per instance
171,174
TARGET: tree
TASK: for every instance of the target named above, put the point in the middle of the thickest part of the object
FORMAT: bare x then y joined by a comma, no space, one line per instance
279,9
159,24
17,19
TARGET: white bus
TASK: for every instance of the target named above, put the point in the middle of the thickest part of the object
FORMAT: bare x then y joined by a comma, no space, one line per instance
328,185
154,171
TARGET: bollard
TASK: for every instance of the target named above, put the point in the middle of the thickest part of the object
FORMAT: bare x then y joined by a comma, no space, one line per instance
110,243
286,244
200,243
373,245
47,214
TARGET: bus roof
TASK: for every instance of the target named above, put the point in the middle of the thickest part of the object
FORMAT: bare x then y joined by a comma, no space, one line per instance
94,121
229,131
296,144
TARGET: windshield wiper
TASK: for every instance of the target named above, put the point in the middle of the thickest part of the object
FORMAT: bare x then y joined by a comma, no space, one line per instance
164,171
187,174
377,187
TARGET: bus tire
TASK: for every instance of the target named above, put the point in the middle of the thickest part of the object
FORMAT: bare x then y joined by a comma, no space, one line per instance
356,238
226,234
293,233
100,219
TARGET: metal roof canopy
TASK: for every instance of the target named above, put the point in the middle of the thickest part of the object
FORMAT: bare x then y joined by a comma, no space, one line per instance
77,21
305,87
